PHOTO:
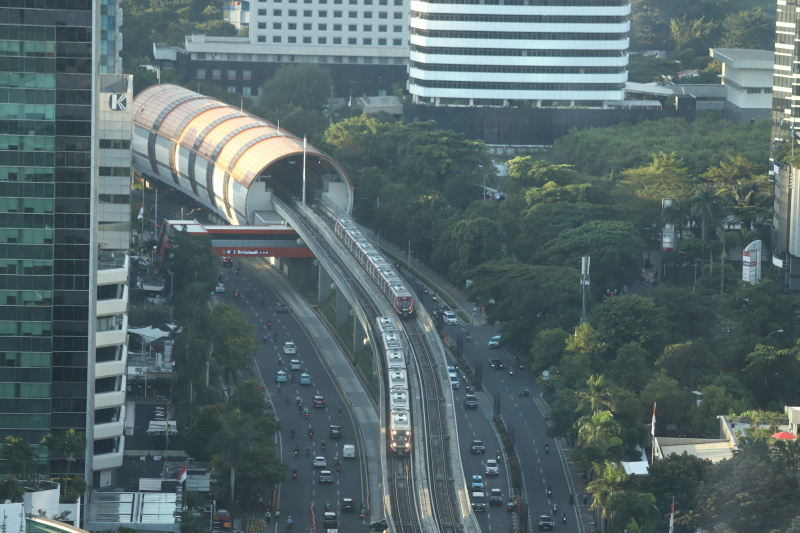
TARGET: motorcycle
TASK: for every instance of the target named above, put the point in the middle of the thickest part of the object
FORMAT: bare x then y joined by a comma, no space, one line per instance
511,372
308,415
564,518
340,412
555,509
264,338
323,445
327,506
468,336
524,393
547,448
310,433
549,491
294,474
338,466
296,451
308,452
363,511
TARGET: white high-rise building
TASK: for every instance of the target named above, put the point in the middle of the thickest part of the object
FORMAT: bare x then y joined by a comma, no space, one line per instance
527,53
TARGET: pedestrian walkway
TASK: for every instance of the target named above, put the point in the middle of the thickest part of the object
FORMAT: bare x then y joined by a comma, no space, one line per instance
431,279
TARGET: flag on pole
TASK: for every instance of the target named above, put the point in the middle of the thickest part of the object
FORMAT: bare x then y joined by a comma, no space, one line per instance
141,213
781,119
350,101
653,424
182,474
672,516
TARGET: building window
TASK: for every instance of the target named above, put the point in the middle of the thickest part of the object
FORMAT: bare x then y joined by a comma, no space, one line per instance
352,14
382,42
397,42
323,14
292,40
398,16
398,2
322,27
247,75
398,60
352,59
262,38
262,12
276,39
201,74
322,40
231,74
383,2
337,14
293,13
383,15
231,89
337,27
276,25
292,26
216,74
368,60
262,25
383,60
351,40
277,12
367,14
337,40
352,27
367,41
307,26
397,29
306,40
246,90
337,59
382,28
323,59
367,27
307,13
201,55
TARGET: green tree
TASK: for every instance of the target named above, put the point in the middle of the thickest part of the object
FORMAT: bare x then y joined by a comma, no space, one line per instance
665,177
465,246
70,445
525,172
673,401
596,395
772,374
192,260
705,207
650,68
607,479
689,363
752,29
677,476
630,318
301,121
631,505
598,439
355,142
21,461
233,442
207,421
630,369
233,337
247,398
548,348
305,85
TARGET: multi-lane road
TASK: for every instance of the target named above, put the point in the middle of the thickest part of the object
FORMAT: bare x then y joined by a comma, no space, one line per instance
297,498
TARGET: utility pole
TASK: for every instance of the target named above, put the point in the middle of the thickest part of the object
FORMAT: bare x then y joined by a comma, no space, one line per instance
585,262
409,255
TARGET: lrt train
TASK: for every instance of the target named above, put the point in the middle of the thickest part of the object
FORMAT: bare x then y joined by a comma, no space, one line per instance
380,270
399,415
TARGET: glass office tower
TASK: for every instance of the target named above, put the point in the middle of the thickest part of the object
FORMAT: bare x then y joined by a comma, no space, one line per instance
63,285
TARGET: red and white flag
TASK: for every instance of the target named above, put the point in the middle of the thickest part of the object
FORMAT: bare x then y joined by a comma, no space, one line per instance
182,474
350,101
672,516
653,424
141,213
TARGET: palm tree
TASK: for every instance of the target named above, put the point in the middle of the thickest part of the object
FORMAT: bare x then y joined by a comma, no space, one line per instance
608,479
232,443
704,204
598,439
752,446
677,213
596,395
789,453
631,505
21,460
726,238
73,443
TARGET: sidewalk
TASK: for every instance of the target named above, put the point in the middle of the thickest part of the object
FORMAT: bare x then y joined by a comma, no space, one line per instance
429,277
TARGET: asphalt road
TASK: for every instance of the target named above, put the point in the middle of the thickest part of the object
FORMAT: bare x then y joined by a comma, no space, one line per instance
522,417
298,497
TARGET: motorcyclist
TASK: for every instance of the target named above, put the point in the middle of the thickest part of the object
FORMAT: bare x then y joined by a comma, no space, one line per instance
323,445
511,372
269,324
296,451
340,412
549,490
547,448
564,518
327,506
308,452
294,473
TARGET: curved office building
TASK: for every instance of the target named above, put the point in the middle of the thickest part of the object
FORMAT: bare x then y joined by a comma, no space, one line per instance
525,53
230,161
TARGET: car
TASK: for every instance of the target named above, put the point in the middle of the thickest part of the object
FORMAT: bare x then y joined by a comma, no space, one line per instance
318,402
496,364
320,462
330,520
491,468
477,483
305,379
546,522
495,341
478,501
325,477
348,506
471,401
295,364
335,432
477,447
450,318
280,307
280,376
289,348
495,497
380,525
220,288
227,262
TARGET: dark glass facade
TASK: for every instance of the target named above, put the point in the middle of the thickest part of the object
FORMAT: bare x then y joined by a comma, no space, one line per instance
45,222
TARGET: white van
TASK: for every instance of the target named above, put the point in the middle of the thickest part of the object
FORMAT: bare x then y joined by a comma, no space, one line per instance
349,451
450,318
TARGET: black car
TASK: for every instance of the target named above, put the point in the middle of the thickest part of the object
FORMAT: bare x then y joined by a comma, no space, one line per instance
227,262
477,447
348,506
319,402
335,432
380,525
497,364
280,307
546,522
471,401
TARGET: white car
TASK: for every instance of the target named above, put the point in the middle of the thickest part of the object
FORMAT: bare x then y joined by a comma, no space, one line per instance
289,348
450,318
320,462
491,468
295,364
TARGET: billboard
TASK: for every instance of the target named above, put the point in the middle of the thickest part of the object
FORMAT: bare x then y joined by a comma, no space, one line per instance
751,263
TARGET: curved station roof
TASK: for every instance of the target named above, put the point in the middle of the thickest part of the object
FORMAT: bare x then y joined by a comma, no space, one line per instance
227,159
